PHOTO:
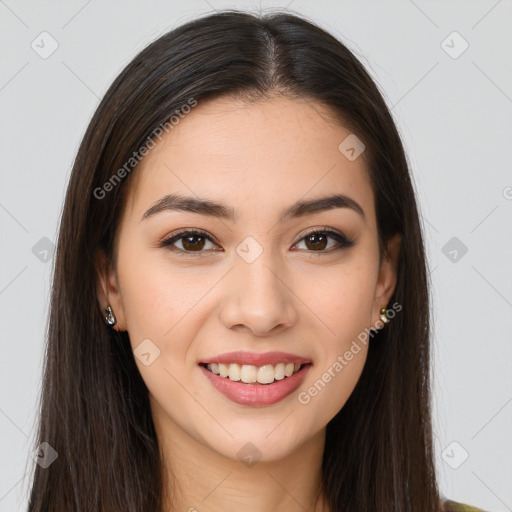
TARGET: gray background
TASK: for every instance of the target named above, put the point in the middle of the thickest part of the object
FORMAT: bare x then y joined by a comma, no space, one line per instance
454,115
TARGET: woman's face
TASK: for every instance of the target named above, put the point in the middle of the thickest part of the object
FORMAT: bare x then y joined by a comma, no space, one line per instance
254,280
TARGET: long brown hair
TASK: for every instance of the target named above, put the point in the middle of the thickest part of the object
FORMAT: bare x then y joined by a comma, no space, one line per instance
94,408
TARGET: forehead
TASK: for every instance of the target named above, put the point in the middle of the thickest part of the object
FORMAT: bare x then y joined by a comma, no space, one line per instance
264,154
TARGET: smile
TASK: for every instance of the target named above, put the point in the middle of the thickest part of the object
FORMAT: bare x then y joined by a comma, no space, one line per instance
255,379
250,374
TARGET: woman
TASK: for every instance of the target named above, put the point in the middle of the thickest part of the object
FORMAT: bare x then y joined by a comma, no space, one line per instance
240,308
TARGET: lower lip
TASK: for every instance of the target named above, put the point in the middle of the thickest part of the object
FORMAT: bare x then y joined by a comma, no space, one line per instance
257,395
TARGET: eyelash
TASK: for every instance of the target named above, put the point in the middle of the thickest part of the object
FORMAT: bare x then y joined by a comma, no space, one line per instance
343,241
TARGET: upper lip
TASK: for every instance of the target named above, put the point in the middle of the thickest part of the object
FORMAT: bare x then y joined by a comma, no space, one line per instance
252,358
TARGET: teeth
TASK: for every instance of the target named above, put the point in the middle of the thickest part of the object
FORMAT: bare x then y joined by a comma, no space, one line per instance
265,374
250,374
234,372
279,371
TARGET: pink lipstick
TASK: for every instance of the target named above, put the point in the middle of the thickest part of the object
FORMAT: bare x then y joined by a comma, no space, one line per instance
256,394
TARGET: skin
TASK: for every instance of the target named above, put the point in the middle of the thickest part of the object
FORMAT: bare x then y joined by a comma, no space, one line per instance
257,158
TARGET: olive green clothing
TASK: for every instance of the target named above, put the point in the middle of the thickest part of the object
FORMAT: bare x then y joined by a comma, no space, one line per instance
455,506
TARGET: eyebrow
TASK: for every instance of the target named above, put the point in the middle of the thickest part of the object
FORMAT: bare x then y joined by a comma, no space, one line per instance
174,202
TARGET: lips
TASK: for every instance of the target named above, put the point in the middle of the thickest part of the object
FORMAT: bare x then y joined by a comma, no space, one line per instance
256,394
255,359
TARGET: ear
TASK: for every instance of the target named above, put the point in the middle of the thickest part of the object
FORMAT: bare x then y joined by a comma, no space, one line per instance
386,282
107,289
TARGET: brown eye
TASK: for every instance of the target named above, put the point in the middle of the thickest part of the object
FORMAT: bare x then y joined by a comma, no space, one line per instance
317,241
191,241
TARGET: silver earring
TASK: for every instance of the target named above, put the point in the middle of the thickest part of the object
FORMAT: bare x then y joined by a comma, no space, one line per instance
110,319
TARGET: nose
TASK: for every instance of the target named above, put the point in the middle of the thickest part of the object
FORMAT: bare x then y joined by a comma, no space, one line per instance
258,299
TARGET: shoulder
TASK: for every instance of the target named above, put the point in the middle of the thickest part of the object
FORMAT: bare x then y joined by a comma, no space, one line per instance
455,506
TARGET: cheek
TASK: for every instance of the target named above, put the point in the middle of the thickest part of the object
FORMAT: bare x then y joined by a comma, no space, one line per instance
335,376
344,302
156,296
345,307
161,305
